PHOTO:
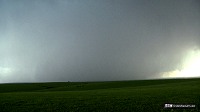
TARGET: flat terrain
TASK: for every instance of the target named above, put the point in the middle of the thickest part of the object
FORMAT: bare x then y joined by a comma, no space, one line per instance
115,96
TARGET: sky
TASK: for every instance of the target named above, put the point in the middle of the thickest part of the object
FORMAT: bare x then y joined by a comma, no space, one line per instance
98,40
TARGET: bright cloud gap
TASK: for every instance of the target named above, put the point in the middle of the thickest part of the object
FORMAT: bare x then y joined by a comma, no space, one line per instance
190,66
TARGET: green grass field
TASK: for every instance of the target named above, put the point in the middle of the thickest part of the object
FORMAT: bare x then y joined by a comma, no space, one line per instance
115,96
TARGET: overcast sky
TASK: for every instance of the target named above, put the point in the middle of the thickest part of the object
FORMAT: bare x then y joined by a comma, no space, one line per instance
95,40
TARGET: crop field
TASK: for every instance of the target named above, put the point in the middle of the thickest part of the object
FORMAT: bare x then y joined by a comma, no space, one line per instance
110,96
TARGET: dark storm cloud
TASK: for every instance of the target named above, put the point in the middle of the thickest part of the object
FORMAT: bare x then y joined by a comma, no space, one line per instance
89,40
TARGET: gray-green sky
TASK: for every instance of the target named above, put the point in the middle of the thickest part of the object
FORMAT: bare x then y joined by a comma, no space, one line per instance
95,40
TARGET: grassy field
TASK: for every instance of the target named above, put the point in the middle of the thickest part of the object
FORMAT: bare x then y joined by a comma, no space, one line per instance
115,96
